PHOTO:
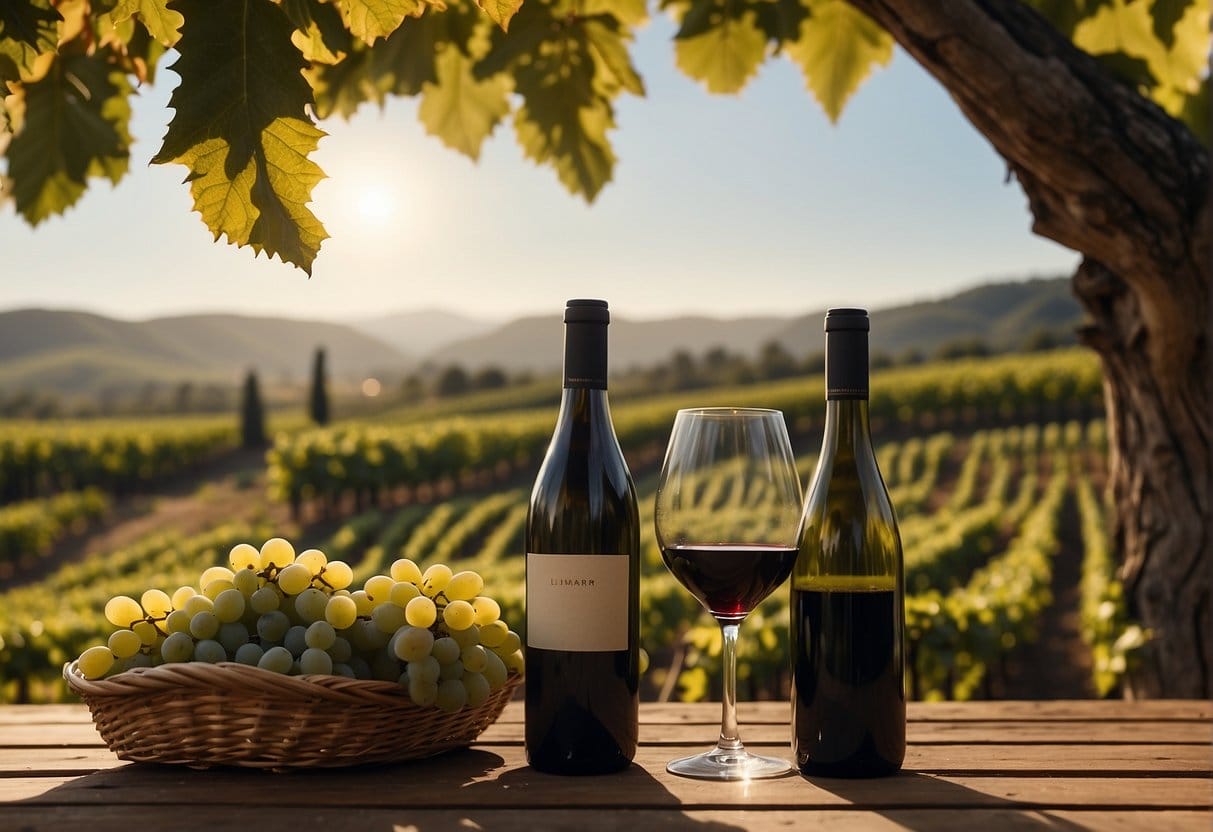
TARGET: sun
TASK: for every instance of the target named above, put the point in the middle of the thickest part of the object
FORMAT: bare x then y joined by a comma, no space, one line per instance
375,204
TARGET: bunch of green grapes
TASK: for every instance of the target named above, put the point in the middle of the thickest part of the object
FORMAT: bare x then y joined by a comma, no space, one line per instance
433,633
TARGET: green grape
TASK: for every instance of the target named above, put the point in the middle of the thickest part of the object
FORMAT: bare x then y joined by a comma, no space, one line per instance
214,573
511,644
146,631
276,552
388,617
337,574
477,688
272,626
487,610
277,659
197,604
266,599
452,695
124,643
642,658
209,651
204,625
181,595
458,615
494,670
313,559
178,621
403,592
311,604
295,640
95,661
363,602
435,579
295,578
341,650
445,650
412,644
341,611
473,658
247,582
426,670
494,633
142,659
468,637
232,636
515,662
243,556
421,612
156,603
423,694
341,669
217,586
315,660
405,570
379,589
320,635
385,668
250,653
122,611
362,670
178,647
229,605
463,586
454,670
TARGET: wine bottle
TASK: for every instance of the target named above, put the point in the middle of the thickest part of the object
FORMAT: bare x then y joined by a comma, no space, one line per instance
583,574
848,604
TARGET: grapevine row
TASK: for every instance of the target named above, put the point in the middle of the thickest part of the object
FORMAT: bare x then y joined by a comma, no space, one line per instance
29,529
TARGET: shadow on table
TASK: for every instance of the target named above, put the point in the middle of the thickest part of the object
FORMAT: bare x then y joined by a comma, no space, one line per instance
921,802
471,789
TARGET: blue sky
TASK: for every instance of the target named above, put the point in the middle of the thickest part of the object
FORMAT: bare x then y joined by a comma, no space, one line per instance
724,205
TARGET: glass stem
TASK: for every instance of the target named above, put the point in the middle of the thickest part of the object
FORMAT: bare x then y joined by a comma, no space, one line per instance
729,740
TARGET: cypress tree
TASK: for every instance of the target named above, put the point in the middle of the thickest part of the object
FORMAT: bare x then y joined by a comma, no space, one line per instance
319,399
252,415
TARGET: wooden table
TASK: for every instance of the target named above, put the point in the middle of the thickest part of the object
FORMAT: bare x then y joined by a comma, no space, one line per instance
975,766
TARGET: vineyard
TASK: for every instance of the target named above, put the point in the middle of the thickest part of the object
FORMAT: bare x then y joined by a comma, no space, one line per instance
996,470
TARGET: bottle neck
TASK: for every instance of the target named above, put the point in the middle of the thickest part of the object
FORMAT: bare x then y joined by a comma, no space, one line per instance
585,356
847,365
847,429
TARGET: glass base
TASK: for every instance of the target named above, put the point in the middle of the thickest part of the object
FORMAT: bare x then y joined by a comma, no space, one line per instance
722,764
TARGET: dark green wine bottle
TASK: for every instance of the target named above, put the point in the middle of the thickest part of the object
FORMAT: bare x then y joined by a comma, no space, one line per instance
848,604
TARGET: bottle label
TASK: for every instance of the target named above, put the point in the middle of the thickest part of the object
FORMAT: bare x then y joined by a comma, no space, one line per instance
577,603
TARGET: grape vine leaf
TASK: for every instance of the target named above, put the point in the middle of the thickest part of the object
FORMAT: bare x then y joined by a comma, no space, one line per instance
76,126
1167,14
459,109
837,49
28,28
242,129
319,33
627,12
721,44
161,22
608,42
370,20
500,11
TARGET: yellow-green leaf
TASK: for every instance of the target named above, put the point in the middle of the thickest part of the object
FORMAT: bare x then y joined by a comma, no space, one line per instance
576,145
320,33
608,42
726,54
500,12
629,12
242,130
837,49
460,110
75,126
370,20
28,29
161,22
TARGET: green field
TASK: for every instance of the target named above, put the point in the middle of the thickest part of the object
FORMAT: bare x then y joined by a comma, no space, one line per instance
995,468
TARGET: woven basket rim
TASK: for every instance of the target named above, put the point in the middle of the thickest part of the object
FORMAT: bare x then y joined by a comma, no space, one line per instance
247,678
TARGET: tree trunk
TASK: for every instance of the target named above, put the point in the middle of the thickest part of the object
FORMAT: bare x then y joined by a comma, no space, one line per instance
1109,174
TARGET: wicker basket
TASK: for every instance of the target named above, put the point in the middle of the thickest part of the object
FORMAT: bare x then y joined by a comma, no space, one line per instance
201,715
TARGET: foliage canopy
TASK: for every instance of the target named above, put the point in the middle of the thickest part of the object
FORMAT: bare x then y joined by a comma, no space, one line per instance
256,75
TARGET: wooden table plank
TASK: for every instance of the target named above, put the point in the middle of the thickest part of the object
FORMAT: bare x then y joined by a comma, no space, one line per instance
220,819
1143,760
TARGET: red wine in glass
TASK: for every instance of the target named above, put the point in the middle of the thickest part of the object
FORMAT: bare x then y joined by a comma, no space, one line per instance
731,579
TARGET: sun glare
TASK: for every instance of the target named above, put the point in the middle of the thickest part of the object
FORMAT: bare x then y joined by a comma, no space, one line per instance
376,204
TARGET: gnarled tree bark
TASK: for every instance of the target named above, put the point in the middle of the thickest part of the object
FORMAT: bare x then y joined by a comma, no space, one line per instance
1110,175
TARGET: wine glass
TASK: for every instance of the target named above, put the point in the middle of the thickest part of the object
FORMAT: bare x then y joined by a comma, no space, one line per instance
728,519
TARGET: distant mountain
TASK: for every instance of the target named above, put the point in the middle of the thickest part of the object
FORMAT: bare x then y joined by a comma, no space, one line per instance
1004,315
535,343
80,352
423,331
